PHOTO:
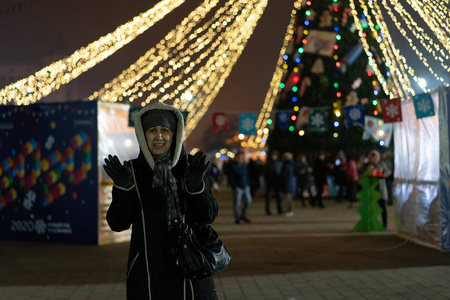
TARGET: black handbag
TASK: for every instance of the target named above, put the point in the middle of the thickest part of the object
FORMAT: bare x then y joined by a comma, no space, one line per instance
200,251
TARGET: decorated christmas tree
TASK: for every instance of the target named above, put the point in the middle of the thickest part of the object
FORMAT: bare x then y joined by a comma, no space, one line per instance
329,89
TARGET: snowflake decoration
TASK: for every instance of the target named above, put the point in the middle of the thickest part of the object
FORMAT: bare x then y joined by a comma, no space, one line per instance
283,118
49,142
355,114
248,124
392,110
317,120
423,105
29,200
40,226
221,120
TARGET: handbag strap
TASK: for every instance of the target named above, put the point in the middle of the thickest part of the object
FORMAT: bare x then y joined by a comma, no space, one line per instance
184,288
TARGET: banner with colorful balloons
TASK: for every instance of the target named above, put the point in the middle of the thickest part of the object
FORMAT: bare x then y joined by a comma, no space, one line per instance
48,172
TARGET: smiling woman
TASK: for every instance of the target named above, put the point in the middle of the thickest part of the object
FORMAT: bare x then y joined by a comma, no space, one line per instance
153,194
160,127
159,139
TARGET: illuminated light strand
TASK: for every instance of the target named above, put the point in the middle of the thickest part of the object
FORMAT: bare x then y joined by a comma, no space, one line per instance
392,55
211,40
212,83
237,40
49,79
399,79
366,47
258,141
117,88
419,54
214,64
200,74
436,17
433,48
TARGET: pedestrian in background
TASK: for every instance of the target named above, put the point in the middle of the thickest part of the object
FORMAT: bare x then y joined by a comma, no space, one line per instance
303,173
288,184
339,176
350,170
241,187
272,173
320,178
387,160
255,169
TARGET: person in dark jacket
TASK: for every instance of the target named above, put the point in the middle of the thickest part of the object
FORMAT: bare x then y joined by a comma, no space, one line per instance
303,173
288,185
241,187
272,178
320,178
152,193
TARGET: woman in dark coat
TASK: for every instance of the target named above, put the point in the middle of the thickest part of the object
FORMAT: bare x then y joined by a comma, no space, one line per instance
151,193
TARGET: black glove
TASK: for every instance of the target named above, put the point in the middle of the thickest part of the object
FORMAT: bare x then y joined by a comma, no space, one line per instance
120,174
195,171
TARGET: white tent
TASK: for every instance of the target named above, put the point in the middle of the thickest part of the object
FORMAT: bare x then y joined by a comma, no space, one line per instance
421,176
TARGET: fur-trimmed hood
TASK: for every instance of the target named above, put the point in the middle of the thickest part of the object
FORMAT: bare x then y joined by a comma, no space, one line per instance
140,134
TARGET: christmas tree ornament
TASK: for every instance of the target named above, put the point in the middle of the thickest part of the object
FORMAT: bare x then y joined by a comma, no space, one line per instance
351,98
318,67
326,19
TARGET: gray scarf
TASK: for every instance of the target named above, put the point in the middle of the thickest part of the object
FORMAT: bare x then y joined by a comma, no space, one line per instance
164,181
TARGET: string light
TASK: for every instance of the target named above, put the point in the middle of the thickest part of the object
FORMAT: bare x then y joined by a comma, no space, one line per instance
238,37
367,47
49,79
259,140
399,84
216,46
419,54
127,83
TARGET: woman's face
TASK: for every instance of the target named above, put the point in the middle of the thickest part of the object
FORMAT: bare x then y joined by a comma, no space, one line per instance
159,139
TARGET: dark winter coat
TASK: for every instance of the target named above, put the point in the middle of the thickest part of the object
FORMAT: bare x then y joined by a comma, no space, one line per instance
303,174
272,172
287,177
320,170
239,175
151,263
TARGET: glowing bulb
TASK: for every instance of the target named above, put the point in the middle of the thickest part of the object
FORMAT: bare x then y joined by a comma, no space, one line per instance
188,96
422,83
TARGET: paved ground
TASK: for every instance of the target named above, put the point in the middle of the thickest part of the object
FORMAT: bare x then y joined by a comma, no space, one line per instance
313,255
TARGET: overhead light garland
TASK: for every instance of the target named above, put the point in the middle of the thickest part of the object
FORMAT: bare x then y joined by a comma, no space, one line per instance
49,79
128,83
220,65
193,74
259,140
398,64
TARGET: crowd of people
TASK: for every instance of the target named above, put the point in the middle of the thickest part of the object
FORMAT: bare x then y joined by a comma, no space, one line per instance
283,178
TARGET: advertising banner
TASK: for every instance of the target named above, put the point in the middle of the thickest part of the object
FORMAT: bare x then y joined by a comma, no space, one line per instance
48,172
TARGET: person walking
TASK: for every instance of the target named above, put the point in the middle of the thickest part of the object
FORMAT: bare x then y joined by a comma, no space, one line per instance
387,160
320,178
241,187
350,170
339,176
287,183
151,194
303,174
272,173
